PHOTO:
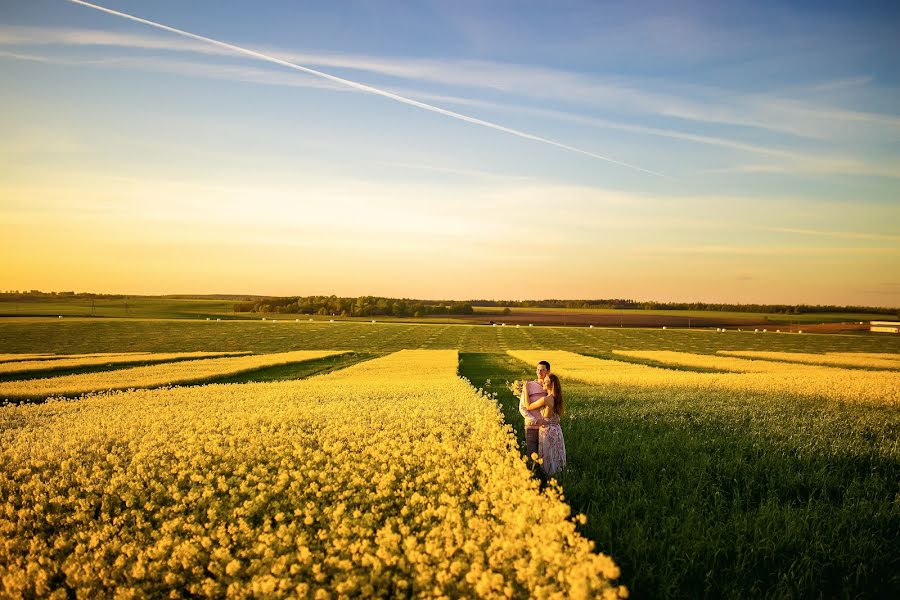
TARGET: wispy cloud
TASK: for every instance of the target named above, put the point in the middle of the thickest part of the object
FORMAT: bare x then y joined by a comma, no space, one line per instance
18,35
468,173
372,90
837,234
790,161
684,102
24,56
797,164
786,251
841,83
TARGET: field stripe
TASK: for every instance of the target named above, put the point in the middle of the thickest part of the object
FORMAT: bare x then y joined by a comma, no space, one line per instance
87,360
756,362
183,372
848,385
843,359
881,355
392,477
15,357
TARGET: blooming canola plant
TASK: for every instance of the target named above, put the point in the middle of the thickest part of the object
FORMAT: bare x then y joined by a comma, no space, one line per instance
391,477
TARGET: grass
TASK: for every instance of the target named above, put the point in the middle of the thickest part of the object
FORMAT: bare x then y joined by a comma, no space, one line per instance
300,370
127,335
717,314
154,308
200,308
699,494
53,370
654,363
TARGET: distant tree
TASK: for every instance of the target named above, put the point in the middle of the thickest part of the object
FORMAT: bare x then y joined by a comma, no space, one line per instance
507,311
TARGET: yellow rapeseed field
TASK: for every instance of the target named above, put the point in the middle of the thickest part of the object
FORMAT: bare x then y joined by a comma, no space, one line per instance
10,357
51,356
188,371
849,385
722,363
87,360
835,359
390,478
882,355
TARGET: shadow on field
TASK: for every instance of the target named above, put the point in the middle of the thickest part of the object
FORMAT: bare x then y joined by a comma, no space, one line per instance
297,370
300,370
700,494
655,363
50,371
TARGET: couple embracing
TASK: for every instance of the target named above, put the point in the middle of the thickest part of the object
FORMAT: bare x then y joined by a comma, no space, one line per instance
541,404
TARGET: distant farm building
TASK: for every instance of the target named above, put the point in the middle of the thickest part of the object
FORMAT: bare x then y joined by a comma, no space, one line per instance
885,326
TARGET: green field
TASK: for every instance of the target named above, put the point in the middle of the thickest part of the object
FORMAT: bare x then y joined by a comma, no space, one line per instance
147,308
711,314
188,308
698,494
119,335
695,493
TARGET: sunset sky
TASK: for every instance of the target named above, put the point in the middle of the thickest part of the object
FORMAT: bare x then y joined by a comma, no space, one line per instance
738,152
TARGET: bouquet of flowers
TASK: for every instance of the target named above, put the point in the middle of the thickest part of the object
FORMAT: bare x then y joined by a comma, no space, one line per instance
516,387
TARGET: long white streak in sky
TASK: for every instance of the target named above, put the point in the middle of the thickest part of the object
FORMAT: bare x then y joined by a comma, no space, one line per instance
366,88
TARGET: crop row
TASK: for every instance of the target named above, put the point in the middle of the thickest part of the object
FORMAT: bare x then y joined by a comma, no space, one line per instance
279,336
759,362
875,361
63,362
18,357
182,372
850,385
393,477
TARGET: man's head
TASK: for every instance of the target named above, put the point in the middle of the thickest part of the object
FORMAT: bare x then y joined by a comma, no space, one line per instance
543,369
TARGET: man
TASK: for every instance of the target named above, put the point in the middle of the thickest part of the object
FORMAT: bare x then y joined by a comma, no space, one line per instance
534,390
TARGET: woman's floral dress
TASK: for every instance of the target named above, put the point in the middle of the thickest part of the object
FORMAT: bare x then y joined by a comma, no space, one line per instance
552,447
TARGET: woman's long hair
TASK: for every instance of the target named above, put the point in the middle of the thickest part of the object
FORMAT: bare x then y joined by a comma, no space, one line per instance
557,394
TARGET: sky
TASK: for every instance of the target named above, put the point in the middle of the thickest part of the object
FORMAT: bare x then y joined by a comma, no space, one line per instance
674,151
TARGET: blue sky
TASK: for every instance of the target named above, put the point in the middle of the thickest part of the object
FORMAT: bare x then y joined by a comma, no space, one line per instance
776,129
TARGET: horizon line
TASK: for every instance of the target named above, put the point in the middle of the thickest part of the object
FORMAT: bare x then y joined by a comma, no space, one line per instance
189,296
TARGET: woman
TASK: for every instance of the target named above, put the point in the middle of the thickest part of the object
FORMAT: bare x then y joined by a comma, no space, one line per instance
551,446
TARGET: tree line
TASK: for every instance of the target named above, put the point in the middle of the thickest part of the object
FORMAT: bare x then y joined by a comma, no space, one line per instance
363,306
794,309
39,295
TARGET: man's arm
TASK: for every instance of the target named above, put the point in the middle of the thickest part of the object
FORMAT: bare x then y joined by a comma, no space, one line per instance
523,401
531,419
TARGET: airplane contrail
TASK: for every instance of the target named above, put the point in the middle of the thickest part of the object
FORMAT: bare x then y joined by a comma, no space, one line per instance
366,88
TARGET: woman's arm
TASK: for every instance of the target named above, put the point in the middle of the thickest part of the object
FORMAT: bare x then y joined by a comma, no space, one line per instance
539,403
547,400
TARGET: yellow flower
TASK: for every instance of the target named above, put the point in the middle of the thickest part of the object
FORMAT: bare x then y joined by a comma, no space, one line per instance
847,385
357,482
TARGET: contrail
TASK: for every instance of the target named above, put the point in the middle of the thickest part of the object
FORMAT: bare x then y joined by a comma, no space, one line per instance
366,88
